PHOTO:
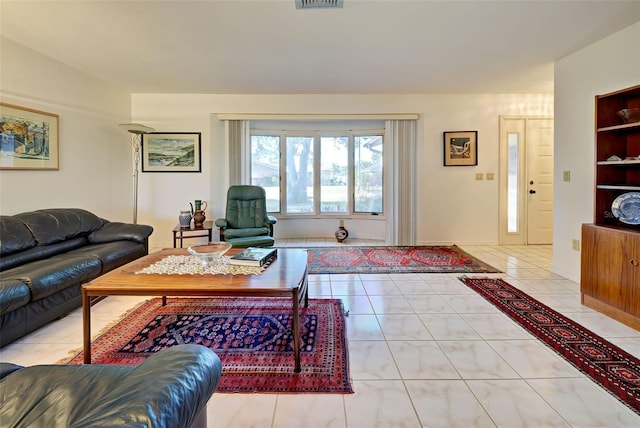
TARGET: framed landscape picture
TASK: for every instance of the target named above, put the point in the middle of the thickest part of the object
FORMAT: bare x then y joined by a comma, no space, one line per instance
461,148
28,138
171,152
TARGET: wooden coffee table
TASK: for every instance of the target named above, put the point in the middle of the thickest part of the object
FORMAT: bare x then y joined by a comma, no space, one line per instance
285,277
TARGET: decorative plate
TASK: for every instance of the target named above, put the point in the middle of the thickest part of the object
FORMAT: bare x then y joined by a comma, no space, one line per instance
626,208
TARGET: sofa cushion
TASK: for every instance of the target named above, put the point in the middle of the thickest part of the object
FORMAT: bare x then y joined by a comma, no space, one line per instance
116,231
56,395
58,224
14,236
112,254
169,389
46,277
13,294
40,252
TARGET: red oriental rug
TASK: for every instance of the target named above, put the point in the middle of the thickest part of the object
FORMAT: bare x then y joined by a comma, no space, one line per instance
252,337
611,367
398,259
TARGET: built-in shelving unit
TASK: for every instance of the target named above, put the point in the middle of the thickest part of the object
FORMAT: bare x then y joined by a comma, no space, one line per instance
610,260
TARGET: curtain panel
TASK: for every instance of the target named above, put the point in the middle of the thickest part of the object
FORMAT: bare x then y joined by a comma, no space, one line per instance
237,134
401,221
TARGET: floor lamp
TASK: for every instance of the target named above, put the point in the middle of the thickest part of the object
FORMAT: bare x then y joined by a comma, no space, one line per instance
137,130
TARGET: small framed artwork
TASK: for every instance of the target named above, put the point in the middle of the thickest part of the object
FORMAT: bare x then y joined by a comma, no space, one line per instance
28,138
171,152
461,148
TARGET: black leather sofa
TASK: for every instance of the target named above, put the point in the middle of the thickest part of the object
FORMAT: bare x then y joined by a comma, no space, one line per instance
169,389
45,257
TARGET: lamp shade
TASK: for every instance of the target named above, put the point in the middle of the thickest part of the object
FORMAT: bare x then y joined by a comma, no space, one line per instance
136,128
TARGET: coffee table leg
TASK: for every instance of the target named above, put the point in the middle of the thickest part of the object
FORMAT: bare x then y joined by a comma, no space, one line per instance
86,326
306,291
296,330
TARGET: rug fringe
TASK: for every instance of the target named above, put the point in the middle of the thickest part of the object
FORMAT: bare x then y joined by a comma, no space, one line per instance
73,352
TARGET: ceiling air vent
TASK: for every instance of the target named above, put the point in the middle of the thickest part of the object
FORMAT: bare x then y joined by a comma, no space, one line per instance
317,4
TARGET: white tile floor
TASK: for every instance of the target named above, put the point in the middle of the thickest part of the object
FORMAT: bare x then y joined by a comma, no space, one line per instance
424,350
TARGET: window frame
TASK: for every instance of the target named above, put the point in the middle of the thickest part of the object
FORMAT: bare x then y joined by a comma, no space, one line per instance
317,136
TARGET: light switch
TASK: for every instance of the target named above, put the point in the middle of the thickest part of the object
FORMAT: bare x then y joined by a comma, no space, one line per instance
566,175
479,176
490,176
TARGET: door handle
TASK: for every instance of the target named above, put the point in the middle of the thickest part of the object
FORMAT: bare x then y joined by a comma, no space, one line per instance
531,192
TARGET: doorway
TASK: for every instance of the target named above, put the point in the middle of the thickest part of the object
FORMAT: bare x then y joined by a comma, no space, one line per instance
526,180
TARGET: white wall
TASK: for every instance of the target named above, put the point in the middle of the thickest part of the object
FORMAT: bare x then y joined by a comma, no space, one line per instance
95,155
452,207
610,64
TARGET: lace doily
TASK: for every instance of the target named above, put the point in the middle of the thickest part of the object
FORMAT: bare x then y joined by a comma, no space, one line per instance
190,265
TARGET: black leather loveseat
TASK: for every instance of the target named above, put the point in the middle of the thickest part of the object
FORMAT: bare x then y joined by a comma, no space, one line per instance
45,257
169,389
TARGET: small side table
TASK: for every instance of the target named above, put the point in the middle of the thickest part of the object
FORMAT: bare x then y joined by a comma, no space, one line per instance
206,230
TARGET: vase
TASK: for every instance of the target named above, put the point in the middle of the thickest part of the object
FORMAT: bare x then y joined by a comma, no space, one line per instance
199,218
342,234
200,204
184,219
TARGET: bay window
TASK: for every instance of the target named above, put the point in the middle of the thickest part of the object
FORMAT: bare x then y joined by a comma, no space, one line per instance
319,173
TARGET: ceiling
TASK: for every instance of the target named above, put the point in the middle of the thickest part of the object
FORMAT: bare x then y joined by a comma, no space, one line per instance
270,47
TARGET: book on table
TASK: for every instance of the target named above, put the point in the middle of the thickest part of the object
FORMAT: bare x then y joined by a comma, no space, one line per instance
253,256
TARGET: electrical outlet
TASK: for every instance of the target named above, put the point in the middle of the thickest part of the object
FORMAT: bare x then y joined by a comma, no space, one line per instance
575,244
479,176
566,175
490,176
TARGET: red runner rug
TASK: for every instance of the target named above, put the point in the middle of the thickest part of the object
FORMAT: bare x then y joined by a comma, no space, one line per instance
252,337
611,367
395,259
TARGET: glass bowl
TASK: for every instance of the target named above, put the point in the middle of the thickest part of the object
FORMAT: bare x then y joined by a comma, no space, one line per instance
210,253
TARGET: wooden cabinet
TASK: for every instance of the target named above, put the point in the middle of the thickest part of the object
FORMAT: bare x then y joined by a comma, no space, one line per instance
610,272
610,260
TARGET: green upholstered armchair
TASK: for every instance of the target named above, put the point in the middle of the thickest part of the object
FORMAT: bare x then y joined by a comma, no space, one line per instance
246,223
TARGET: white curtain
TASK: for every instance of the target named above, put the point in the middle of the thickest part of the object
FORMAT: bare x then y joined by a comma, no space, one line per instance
401,221
237,132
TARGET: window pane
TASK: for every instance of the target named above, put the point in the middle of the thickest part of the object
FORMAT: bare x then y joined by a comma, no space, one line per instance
265,167
512,183
299,174
368,174
334,174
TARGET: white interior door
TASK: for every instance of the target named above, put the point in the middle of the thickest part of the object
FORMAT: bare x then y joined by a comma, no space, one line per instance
526,180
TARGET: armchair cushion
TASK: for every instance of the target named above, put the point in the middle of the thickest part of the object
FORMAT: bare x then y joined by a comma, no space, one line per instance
249,231
252,241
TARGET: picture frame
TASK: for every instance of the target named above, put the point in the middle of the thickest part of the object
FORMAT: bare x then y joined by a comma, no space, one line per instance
171,152
461,148
29,138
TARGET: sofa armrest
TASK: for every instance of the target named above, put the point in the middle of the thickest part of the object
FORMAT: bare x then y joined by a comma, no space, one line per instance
271,219
169,389
116,231
221,223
